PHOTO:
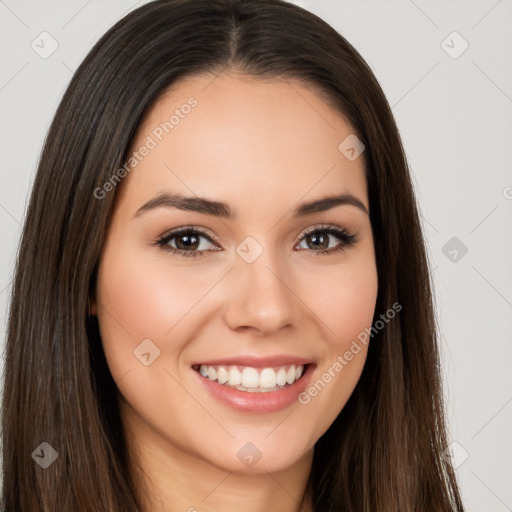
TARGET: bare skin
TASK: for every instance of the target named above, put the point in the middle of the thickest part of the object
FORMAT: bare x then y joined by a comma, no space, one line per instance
262,147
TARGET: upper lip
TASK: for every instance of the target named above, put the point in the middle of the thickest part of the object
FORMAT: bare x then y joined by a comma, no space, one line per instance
256,362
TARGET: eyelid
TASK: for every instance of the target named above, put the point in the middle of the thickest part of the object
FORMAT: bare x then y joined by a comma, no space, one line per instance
186,229
344,235
320,227
209,234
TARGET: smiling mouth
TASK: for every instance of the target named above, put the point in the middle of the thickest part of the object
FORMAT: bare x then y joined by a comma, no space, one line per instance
252,380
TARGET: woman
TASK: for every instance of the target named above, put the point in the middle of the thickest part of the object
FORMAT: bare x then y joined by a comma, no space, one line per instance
261,373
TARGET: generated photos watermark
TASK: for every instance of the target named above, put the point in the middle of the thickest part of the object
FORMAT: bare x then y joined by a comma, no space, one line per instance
151,142
343,360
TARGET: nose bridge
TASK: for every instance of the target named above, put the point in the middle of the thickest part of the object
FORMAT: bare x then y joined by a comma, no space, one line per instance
261,297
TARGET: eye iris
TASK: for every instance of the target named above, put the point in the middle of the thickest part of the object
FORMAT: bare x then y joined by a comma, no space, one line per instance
316,238
191,241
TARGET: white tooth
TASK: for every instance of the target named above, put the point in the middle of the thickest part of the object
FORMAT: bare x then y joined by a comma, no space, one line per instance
248,390
250,378
212,373
281,377
298,371
268,378
235,377
256,390
203,370
290,374
222,375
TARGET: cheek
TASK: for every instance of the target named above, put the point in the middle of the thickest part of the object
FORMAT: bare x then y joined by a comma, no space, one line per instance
343,298
139,301
349,307
344,302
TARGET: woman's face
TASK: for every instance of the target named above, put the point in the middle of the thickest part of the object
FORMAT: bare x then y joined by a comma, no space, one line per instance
249,298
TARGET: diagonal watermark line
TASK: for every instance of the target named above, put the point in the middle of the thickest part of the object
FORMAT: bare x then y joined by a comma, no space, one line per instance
198,301
492,81
166,165
10,214
283,487
203,407
491,419
508,508
72,70
210,82
217,486
494,288
310,104
484,218
124,376
114,318
5,287
305,194
301,300
282,421
485,15
14,14
76,14
417,83
424,14
14,76
429,223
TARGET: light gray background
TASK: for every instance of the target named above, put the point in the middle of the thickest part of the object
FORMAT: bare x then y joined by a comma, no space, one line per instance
455,117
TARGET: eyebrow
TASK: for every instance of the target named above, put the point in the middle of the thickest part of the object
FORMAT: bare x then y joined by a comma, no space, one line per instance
223,210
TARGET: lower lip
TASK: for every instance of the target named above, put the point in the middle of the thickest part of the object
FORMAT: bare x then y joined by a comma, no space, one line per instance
247,401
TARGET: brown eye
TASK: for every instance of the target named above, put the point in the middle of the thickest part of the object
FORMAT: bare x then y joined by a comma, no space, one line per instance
318,239
187,242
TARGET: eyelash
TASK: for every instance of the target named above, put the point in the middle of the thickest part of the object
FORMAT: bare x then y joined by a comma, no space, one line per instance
346,238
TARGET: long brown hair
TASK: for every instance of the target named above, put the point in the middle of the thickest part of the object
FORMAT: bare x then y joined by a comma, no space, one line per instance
384,451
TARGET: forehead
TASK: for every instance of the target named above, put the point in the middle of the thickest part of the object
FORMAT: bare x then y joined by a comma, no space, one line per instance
252,142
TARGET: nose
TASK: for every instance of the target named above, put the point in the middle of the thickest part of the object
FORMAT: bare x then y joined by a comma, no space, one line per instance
260,297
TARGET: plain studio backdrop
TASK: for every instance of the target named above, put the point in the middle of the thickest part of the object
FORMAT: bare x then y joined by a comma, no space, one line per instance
445,67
